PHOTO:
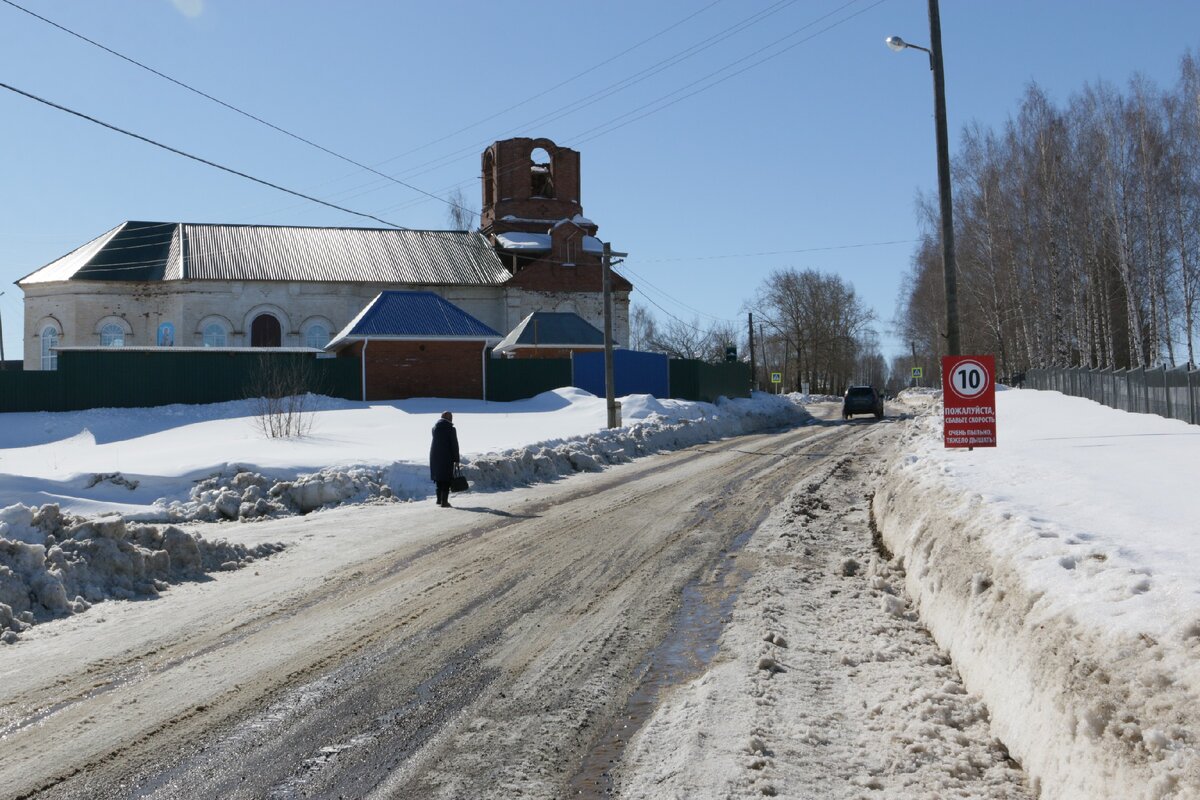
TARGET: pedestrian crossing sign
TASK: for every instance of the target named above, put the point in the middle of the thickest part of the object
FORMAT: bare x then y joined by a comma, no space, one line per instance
917,372
776,377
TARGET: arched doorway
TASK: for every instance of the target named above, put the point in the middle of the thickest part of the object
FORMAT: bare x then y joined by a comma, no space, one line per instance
265,332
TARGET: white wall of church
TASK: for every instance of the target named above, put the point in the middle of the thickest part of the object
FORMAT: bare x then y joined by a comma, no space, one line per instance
79,309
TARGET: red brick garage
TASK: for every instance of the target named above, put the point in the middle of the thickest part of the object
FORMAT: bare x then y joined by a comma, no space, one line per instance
416,344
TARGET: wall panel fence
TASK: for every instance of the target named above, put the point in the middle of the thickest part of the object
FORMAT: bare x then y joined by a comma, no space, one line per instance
1167,392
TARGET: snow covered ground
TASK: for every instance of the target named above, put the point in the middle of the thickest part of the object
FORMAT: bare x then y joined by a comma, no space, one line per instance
59,472
1061,571
1058,571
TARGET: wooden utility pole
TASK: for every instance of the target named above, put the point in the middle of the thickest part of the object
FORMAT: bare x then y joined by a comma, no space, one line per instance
610,390
753,370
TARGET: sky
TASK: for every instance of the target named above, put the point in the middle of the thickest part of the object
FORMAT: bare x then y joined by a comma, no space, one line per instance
720,140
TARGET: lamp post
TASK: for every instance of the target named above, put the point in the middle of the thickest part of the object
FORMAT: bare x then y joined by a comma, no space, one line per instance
949,268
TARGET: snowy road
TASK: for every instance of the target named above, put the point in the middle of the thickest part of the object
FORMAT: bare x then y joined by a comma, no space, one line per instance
494,654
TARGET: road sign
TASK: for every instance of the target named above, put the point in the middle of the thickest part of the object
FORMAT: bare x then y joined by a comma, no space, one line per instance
969,401
776,377
917,372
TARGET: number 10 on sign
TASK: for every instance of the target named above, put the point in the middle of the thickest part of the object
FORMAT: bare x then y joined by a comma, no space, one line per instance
969,401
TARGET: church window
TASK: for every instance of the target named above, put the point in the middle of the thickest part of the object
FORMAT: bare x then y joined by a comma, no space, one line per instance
215,335
112,335
317,336
541,173
49,342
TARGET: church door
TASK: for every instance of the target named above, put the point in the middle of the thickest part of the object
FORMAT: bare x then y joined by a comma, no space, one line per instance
265,332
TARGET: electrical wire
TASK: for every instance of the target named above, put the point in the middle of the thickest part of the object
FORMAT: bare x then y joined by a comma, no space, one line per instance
231,107
205,161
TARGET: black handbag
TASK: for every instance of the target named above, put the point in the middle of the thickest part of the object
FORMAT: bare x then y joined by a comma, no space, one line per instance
459,482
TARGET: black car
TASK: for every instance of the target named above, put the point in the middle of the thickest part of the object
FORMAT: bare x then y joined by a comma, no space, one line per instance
862,400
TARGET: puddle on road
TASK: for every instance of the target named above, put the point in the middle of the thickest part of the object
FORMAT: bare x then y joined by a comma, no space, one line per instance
689,646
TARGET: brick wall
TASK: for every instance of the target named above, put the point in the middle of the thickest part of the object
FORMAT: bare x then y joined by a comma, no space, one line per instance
398,370
550,352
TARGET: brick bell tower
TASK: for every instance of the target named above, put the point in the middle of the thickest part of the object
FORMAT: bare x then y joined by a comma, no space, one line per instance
529,185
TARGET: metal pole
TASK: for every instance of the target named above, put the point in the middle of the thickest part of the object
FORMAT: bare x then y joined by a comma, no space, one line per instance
949,266
609,381
1,334
753,371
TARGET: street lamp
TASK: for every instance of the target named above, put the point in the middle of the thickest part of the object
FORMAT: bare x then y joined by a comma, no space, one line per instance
949,269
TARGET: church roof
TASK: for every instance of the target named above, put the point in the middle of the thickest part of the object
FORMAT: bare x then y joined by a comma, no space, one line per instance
412,315
552,329
171,251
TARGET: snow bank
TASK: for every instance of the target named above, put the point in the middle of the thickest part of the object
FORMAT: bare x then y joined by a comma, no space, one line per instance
1065,585
653,426
53,564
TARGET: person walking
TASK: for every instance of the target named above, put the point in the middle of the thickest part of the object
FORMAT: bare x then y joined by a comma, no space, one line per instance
443,457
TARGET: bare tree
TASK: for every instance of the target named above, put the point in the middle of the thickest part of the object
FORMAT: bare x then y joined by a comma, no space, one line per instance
641,328
459,214
281,390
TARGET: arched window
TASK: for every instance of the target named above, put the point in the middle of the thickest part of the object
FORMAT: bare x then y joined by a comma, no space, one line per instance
265,332
489,179
215,335
316,336
112,335
49,342
541,176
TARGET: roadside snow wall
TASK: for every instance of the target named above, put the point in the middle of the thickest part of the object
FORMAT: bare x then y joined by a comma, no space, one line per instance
1090,712
54,565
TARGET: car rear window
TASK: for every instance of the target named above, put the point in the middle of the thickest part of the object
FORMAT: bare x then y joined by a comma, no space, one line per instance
860,391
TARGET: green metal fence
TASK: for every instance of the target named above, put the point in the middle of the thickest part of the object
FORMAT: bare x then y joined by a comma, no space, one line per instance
698,380
116,378
518,378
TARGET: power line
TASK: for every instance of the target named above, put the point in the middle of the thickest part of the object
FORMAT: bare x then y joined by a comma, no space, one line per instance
608,126
572,107
205,161
781,252
231,107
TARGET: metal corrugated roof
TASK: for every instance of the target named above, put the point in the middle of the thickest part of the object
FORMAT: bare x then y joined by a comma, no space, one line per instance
369,255
156,251
552,329
417,315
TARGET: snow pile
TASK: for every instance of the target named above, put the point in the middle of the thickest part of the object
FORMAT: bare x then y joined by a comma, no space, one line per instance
178,463
659,429
53,564
1065,585
240,494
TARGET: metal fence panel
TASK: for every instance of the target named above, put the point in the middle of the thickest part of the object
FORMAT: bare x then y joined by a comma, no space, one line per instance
1171,393
518,378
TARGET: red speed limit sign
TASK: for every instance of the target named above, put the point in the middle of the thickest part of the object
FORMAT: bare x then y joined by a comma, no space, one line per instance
969,399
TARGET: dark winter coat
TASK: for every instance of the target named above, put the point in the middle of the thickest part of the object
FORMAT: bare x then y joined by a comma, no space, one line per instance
443,453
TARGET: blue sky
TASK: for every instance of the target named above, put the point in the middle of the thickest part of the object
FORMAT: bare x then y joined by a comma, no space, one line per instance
825,145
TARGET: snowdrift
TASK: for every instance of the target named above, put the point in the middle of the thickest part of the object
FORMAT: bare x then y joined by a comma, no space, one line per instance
1092,682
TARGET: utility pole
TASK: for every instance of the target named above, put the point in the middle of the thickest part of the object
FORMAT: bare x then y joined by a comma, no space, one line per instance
610,390
949,266
1,335
913,380
753,370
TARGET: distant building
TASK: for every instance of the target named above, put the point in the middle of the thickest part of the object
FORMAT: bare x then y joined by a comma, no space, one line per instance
212,285
550,334
415,344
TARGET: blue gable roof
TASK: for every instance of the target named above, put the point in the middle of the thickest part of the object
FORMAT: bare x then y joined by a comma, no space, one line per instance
417,315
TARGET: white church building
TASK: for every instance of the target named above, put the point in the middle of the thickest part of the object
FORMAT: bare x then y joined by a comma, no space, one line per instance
178,284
